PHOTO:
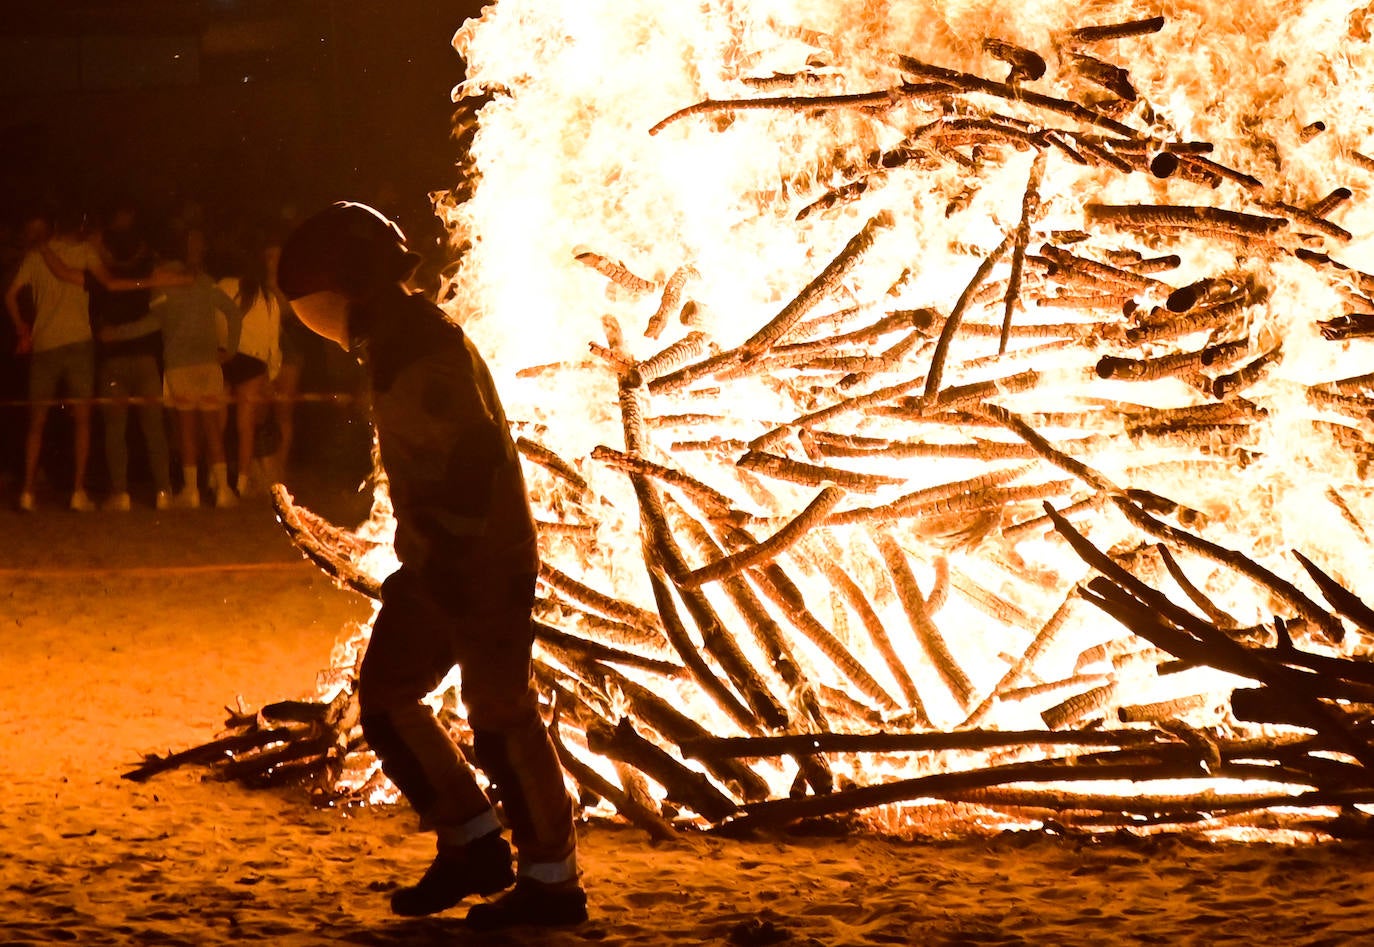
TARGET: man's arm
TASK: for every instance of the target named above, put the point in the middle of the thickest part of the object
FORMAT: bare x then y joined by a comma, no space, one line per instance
96,267
132,330
21,328
67,274
233,315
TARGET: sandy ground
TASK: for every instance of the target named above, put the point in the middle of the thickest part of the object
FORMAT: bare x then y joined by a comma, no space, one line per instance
124,634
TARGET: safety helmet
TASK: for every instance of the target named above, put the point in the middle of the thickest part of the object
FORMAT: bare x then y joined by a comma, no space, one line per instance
348,248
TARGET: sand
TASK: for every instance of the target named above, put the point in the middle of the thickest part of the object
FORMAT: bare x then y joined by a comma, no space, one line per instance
122,634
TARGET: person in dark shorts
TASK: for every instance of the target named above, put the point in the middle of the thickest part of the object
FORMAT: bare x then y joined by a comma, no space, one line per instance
128,369
464,592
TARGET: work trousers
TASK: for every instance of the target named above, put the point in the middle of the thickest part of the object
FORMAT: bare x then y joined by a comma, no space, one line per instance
481,623
134,376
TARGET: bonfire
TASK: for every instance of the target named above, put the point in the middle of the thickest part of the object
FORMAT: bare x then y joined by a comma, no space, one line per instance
953,417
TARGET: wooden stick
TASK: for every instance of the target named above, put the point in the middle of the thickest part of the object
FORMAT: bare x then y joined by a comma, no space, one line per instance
1330,202
214,751
655,711
635,813
671,301
713,500
907,91
1087,705
561,642
1321,619
932,642
601,603
1219,617
951,326
818,288
989,603
1062,262
613,270
877,633
1165,366
1043,640
693,345
769,581
1094,34
972,83
322,543
1187,217
684,786
783,811
551,462
1252,371
1030,200
939,742
808,519
1342,599
813,475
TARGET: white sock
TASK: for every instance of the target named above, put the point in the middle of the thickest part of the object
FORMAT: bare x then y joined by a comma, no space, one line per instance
190,478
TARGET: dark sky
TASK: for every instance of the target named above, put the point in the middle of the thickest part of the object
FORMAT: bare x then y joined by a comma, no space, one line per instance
230,101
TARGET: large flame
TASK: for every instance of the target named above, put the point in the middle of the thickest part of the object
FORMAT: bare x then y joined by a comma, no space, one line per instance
586,211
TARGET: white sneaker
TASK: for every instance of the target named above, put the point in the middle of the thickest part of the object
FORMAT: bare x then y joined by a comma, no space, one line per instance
27,503
164,500
188,498
81,503
225,498
118,503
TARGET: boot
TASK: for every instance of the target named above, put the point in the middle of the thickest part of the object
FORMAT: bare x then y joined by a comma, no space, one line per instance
482,866
531,904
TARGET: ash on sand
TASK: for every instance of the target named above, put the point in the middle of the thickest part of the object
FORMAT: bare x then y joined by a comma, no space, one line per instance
122,634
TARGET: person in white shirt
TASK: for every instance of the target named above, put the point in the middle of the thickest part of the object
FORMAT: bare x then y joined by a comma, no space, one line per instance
61,349
248,375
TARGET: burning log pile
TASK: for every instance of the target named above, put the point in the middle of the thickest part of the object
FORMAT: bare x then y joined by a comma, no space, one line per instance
975,550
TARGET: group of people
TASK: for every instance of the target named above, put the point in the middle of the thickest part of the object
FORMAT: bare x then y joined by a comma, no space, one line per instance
107,319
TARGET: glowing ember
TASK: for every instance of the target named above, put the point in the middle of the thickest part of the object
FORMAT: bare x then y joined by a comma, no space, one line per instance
807,309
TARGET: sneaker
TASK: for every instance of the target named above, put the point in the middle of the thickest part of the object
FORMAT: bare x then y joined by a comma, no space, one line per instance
163,500
188,498
531,904
118,503
81,503
27,503
480,867
225,498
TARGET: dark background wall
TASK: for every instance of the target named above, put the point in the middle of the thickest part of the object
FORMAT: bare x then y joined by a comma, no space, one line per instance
226,100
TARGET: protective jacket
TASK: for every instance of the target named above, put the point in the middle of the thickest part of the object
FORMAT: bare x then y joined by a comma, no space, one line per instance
455,480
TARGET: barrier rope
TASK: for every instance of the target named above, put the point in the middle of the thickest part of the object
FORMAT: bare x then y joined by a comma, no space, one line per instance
151,571
308,397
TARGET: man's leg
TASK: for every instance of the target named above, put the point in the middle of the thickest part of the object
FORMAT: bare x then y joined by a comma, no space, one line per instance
408,656
33,447
146,385
518,756
81,387
44,372
115,388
